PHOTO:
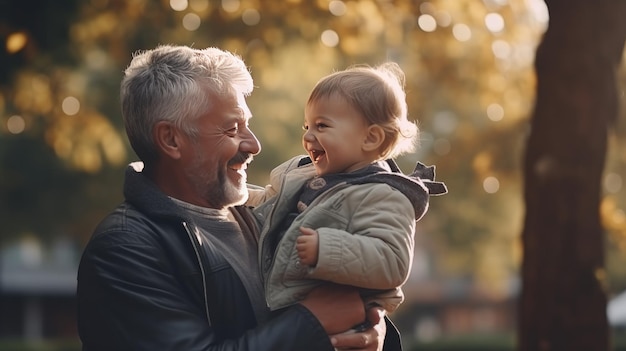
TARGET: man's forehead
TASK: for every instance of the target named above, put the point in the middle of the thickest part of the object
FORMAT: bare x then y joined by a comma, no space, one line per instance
243,105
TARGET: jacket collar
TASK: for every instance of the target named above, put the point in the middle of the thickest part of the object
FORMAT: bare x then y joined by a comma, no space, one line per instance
142,193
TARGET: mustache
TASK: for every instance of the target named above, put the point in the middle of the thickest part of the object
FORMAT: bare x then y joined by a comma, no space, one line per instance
241,157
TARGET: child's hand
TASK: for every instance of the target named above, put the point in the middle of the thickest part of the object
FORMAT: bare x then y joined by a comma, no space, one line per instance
307,246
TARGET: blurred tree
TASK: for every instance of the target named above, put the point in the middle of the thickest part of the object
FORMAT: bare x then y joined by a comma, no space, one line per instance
42,193
469,84
29,32
563,299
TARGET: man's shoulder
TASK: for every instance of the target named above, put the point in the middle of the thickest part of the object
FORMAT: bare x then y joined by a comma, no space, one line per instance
125,225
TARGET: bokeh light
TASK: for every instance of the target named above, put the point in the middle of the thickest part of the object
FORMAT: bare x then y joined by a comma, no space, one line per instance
337,8
191,22
70,106
251,17
330,38
16,124
179,5
231,5
461,32
494,22
427,23
491,185
495,112
501,49
16,42
444,19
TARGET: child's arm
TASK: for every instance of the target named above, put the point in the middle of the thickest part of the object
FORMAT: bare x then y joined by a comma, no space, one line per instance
376,250
307,246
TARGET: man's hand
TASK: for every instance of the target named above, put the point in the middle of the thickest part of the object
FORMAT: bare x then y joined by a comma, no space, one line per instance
371,339
307,246
337,307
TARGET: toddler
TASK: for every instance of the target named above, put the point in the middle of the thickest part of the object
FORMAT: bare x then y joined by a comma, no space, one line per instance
344,213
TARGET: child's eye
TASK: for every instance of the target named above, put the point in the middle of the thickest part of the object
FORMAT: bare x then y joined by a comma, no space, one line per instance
320,126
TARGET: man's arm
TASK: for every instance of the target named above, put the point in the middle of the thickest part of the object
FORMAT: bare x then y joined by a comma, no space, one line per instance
128,299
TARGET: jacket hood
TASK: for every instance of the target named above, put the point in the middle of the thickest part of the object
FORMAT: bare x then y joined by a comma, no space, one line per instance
417,186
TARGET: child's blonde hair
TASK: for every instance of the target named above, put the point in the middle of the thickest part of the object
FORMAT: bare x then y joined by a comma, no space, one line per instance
378,94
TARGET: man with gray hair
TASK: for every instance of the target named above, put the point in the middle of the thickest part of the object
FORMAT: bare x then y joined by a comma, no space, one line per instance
175,266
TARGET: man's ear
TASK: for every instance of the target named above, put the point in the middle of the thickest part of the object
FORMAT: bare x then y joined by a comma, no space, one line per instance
375,138
167,139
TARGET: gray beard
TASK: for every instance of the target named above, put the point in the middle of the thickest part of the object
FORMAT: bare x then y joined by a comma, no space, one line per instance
222,193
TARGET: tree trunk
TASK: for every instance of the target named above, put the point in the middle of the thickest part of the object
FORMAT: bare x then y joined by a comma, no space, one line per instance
563,301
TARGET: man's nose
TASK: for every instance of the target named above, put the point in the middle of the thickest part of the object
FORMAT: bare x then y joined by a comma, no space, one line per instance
250,143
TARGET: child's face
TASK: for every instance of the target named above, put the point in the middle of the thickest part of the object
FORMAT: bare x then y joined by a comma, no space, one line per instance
334,136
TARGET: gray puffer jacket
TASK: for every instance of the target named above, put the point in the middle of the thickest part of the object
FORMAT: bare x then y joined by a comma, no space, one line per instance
366,228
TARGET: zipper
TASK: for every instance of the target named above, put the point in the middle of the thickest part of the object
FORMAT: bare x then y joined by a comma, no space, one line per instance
202,272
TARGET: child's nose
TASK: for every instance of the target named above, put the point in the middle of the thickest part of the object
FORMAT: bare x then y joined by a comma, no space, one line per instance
308,136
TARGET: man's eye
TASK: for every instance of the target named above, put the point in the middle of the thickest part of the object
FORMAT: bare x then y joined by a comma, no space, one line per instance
233,131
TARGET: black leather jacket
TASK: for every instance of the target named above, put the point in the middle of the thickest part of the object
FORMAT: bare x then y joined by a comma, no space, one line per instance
145,284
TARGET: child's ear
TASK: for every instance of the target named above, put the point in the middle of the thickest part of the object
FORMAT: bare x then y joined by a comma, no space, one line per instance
167,139
375,138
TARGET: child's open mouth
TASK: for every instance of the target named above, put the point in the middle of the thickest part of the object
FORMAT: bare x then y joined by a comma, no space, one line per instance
316,155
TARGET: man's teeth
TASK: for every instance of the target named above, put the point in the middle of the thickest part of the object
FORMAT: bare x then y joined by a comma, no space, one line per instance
241,167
